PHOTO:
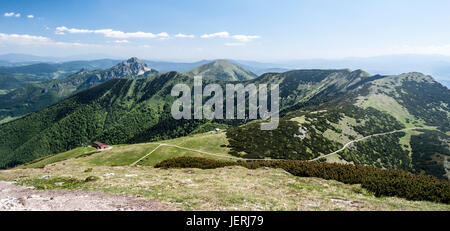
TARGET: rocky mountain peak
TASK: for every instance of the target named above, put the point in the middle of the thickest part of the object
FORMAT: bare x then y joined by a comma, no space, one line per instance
133,59
83,71
132,66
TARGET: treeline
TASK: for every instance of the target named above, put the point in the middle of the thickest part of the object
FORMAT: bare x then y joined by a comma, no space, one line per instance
428,151
428,101
371,121
380,151
381,182
249,141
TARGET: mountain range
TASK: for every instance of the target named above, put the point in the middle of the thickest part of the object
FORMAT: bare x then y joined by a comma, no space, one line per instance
34,96
336,115
435,65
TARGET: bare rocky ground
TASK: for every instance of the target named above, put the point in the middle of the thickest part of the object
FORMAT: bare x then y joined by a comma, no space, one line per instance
20,198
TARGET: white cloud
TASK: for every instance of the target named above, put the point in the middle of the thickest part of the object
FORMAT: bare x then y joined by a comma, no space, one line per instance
163,35
122,41
239,37
180,35
25,39
234,44
30,16
12,14
63,29
111,33
223,34
22,38
245,38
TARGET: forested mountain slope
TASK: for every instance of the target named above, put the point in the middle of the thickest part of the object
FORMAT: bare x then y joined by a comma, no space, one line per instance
412,104
36,96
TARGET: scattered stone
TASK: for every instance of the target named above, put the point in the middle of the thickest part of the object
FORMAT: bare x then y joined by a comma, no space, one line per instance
22,201
131,175
355,204
11,204
109,174
91,178
302,132
342,200
313,204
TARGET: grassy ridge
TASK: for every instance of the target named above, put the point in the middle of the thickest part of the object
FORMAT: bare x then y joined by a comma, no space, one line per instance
221,70
124,155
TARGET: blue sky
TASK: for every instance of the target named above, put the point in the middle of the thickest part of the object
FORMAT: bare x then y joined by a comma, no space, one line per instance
246,29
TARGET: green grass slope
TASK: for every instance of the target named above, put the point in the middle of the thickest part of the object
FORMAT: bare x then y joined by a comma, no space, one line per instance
207,145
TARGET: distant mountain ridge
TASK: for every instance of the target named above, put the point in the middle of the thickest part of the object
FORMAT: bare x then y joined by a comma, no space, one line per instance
435,65
38,72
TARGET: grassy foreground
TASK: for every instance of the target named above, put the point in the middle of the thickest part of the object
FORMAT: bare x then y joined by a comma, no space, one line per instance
228,188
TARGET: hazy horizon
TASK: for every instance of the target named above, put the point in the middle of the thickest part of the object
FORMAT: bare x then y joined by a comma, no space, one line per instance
93,56
264,31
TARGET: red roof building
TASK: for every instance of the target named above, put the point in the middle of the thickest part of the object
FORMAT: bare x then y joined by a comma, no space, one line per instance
101,146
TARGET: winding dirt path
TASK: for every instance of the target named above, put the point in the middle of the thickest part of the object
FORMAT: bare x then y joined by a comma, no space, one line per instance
188,149
238,158
20,198
364,138
137,161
